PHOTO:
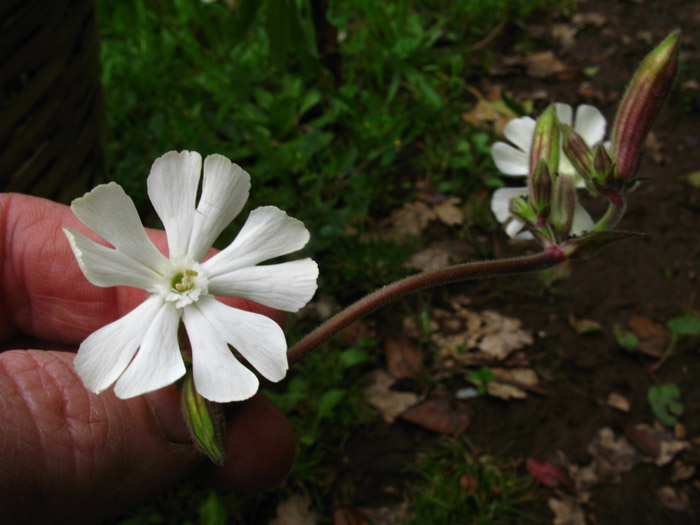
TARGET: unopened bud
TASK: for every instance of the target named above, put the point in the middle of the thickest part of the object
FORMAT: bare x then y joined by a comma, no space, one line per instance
563,205
641,103
545,142
540,191
602,164
577,151
521,208
205,421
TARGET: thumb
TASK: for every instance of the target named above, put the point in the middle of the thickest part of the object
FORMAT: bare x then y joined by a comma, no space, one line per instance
67,454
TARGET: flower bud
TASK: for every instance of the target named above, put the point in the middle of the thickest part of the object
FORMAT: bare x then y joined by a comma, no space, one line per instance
603,165
540,190
205,421
545,142
641,103
577,151
563,205
521,208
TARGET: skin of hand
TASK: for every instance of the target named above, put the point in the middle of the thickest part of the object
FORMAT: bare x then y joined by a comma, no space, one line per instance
67,454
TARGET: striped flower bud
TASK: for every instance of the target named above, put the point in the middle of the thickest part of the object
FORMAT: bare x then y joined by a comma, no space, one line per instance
577,151
641,103
540,191
564,203
545,142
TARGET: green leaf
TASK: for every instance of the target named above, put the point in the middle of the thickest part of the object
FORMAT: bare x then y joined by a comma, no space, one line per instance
665,403
688,325
352,357
328,402
212,511
244,19
627,340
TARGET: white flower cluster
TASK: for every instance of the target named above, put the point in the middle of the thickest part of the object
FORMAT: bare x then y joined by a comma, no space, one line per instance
514,160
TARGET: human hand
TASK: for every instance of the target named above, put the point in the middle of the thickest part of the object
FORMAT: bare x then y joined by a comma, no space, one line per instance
67,454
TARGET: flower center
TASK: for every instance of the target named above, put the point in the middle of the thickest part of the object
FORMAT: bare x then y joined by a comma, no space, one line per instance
184,284
184,281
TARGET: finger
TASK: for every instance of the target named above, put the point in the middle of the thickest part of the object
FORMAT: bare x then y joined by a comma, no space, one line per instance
260,448
44,293
68,455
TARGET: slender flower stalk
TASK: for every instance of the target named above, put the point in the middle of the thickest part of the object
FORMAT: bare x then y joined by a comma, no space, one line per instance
551,256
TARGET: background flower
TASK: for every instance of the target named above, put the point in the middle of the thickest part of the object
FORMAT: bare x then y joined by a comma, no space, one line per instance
514,160
140,351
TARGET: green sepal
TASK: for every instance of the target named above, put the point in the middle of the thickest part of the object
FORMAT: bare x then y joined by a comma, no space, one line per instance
205,420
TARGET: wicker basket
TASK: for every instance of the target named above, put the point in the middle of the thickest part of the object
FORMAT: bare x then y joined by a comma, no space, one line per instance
52,120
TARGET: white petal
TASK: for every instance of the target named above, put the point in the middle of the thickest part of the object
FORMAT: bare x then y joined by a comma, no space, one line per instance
218,375
582,221
225,188
509,160
158,362
287,286
500,202
269,232
520,132
172,188
259,339
111,214
104,266
514,230
590,124
106,353
565,113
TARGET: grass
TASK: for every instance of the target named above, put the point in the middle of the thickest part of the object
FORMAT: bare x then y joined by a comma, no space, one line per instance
181,74
463,484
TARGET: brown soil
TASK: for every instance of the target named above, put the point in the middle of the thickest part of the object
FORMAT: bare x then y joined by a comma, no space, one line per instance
655,277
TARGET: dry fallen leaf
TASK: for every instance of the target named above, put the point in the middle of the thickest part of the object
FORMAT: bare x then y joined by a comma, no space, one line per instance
543,64
565,34
652,336
511,383
619,402
430,259
449,213
403,358
296,511
673,499
468,337
490,109
388,402
590,18
682,471
656,442
411,219
567,511
611,458
437,415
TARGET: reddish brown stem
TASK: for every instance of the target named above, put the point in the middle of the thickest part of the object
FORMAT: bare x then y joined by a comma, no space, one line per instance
552,256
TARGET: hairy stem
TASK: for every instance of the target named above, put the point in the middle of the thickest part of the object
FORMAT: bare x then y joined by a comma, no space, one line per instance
552,256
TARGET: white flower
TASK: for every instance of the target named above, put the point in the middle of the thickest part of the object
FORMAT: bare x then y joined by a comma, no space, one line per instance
515,161
140,351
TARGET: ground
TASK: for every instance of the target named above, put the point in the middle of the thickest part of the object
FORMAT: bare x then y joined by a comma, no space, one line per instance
646,281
